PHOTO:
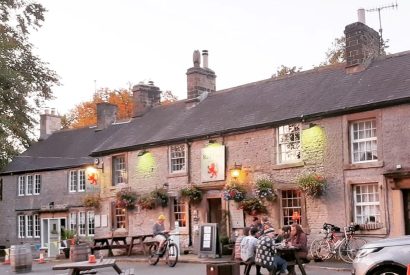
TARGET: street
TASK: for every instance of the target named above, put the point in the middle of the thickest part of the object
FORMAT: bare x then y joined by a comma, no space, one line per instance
161,268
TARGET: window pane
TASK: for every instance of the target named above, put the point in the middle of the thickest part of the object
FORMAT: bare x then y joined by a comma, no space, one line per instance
119,170
291,202
364,141
177,158
288,143
367,204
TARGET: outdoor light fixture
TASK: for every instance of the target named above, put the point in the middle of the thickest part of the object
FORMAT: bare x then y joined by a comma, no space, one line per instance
141,153
236,171
311,125
165,185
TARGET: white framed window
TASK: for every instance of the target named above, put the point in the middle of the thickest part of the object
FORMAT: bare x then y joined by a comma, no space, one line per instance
177,158
291,203
366,199
90,223
73,181
36,219
73,221
180,212
29,226
120,217
81,224
289,143
21,185
21,226
363,138
29,185
119,170
81,180
37,184
76,181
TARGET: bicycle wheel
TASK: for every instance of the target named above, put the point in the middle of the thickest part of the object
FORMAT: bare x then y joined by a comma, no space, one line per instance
355,244
324,250
172,255
153,257
343,251
314,247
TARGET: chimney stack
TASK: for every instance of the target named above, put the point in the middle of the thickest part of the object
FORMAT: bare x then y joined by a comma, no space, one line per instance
106,114
362,46
49,123
200,79
145,97
361,16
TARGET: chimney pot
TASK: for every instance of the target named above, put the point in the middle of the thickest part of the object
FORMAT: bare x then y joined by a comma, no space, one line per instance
361,15
197,58
205,58
151,83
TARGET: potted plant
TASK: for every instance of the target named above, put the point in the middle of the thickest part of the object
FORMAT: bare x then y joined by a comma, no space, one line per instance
192,193
253,206
161,196
234,191
147,202
314,185
67,235
126,199
92,200
264,189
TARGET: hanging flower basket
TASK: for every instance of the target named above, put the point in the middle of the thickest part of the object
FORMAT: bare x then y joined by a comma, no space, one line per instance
147,202
234,191
161,196
264,189
253,206
126,199
92,200
314,185
192,193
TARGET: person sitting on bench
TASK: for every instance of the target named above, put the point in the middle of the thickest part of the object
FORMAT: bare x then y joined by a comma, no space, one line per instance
248,249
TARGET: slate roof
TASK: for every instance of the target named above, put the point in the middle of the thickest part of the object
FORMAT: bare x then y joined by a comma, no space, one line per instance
63,149
326,91
319,92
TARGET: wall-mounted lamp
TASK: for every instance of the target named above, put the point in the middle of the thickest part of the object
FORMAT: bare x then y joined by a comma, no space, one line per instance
311,125
165,185
141,153
236,171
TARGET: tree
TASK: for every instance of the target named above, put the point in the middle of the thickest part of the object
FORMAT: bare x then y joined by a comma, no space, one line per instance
336,53
284,70
85,113
25,80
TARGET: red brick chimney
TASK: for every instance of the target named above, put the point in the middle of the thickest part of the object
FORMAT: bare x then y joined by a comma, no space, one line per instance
106,114
200,79
362,46
49,123
145,97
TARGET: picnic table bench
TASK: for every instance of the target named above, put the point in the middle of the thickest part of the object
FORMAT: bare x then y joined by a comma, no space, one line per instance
110,243
76,268
138,240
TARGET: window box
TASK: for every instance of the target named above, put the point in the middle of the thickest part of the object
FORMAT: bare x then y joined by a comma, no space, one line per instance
371,226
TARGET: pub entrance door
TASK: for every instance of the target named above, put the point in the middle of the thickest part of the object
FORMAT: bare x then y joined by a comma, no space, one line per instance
406,210
215,214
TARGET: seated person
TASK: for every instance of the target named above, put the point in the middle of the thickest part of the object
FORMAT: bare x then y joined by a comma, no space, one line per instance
298,239
265,253
248,249
237,249
284,234
159,232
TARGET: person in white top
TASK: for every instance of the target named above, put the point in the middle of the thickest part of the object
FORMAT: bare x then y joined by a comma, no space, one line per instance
248,248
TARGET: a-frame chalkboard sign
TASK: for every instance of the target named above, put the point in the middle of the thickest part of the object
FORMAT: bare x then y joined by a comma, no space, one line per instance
209,241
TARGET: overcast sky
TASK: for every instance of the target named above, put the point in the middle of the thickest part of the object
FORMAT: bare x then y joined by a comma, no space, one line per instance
101,43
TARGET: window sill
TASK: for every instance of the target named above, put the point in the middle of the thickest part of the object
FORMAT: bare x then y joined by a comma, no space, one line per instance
288,165
176,175
352,166
370,226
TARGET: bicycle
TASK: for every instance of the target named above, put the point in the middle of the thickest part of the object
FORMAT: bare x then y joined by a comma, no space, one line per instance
170,250
332,246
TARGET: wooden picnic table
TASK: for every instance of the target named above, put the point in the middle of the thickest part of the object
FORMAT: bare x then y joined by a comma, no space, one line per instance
109,243
140,242
290,254
76,267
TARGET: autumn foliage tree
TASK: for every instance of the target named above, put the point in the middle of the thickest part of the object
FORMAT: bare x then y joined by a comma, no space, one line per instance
85,114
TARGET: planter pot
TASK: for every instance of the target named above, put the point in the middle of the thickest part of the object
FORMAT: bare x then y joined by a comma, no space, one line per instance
79,252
